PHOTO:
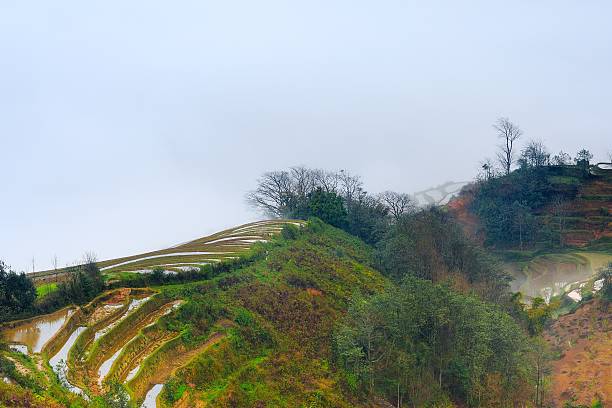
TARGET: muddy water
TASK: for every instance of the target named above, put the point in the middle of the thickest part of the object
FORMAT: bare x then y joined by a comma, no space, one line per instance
58,361
36,332
549,275
134,303
151,398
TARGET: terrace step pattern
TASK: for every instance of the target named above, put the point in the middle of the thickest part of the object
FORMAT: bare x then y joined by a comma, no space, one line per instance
221,246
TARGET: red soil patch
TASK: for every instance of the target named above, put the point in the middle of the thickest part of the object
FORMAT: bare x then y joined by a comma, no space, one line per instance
584,371
459,208
314,292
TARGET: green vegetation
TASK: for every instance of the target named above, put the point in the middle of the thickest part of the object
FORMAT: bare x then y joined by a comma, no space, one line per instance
368,299
508,208
424,344
17,294
430,245
45,289
84,283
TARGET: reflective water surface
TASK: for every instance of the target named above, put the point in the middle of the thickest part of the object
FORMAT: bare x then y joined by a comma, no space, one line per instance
36,332
58,361
151,398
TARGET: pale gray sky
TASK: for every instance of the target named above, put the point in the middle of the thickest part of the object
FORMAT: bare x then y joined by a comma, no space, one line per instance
133,125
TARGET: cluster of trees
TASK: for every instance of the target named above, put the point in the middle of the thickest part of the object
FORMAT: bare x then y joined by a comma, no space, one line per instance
425,243
507,208
533,155
431,336
421,343
338,198
17,293
507,200
430,245
83,284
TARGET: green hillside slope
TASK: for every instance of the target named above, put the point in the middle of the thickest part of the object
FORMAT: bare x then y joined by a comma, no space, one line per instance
304,321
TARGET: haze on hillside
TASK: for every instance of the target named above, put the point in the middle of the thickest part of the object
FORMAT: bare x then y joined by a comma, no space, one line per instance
130,126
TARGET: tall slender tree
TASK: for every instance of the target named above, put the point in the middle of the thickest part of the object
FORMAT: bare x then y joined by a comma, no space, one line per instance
509,133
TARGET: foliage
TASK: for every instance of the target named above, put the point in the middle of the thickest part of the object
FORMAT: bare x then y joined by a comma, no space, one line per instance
534,154
606,290
583,157
430,245
421,343
85,282
46,288
17,293
337,198
327,206
507,206
116,396
290,232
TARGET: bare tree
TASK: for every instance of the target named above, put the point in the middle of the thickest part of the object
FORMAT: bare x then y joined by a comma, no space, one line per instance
560,211
509,133
89,258
609,156
303,181
328,181
273,193
54,262
350,186
397,204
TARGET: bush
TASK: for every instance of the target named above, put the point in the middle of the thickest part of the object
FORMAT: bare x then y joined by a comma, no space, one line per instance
17,293
290,232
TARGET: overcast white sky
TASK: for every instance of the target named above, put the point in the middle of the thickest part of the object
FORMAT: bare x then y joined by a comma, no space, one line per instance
133,125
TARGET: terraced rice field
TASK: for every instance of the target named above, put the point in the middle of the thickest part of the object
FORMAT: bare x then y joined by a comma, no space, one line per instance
117,337
224,245
123,335
555,274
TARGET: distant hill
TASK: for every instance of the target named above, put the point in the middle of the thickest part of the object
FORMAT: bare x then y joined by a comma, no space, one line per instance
556,206
564,214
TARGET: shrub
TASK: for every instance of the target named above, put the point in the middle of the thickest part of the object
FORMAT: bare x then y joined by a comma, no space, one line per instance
290,232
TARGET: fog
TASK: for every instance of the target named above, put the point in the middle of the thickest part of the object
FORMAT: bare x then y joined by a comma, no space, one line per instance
128,126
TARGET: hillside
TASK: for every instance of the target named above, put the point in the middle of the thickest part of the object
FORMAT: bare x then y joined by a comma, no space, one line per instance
552,226
562,217
221,246
303,319
569,208
259,333
583,342
302,313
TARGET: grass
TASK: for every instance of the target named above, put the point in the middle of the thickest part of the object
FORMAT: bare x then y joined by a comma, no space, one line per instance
219,247
567,180
45,289
253,332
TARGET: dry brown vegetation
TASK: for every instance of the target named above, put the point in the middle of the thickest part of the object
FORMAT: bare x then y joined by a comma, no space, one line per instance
583,340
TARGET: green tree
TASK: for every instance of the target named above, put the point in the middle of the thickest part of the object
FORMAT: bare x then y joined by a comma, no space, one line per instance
17,292
430,245
421,343
327,206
